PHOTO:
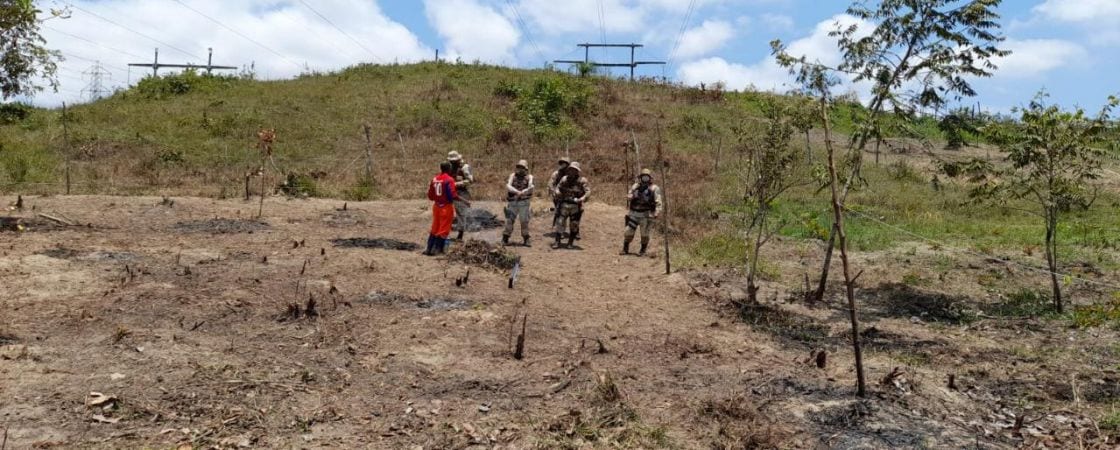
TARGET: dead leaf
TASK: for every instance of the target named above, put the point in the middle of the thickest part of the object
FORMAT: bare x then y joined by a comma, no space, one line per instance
103,419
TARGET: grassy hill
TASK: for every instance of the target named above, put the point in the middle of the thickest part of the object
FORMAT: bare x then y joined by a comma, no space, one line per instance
197,135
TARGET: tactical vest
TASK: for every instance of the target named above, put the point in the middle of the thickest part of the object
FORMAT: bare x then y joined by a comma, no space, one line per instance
461,174
571,191
519,183
644,200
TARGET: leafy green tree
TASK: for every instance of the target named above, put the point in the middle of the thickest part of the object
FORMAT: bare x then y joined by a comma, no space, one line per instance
1052,160
770,169
955,125
918,54
24,57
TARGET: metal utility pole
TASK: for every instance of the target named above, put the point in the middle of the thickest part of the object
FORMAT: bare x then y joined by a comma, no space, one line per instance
156,65
96,89
633,64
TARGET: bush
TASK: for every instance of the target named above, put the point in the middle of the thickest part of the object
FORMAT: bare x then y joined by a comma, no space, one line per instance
552,102
181,83
14,112
1024,303
300,185
1092,316
507,90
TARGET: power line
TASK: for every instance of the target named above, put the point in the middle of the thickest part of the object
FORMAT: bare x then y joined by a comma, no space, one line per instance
133,31
680,34
243,36
602,24
56,30
344,33
83,58
525,29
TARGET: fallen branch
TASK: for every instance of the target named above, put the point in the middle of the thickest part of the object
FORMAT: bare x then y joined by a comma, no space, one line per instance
55,219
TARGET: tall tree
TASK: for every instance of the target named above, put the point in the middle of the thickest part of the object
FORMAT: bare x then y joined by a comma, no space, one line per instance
24,57
1052,157
918,54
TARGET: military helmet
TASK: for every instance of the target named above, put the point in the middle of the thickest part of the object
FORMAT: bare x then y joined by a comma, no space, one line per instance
454,156
564,160
523,163
575,165
647,172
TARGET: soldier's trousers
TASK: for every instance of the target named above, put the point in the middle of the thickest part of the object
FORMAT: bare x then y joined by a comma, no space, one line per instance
636,220
518,210
570,213
461,209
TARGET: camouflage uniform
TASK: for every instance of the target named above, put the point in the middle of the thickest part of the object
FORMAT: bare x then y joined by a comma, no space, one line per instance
553,180
645,205
461,171
519,191
572,191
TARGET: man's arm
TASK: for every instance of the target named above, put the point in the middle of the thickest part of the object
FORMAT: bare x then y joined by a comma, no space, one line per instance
509,185
529,190
586,189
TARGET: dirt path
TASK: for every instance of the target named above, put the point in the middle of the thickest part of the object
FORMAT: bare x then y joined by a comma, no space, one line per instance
177,314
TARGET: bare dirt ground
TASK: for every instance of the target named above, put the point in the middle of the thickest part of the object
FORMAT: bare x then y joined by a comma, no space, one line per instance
186,324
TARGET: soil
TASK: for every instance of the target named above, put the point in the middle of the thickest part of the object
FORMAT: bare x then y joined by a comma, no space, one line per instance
171,325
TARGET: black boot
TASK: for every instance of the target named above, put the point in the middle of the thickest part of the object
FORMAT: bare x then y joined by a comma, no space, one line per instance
625,247
460,236
571,240
557,243
505,239
645,244
525,241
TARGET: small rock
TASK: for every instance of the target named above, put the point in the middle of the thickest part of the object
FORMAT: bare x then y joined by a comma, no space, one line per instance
484,408
116,376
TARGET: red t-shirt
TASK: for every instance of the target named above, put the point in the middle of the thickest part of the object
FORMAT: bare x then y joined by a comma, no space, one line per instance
442,190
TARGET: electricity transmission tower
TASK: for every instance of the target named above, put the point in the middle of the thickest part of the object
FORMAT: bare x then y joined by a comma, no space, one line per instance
633,64
96,88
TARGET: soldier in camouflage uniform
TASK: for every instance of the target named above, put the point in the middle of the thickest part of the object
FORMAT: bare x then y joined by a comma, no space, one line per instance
461,172
519,190
561,170
645,206
572,190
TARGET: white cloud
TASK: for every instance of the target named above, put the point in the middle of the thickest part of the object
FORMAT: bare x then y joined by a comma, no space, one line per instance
1033,57
702,40
777,22
1080,10
288,28
766,74
473,31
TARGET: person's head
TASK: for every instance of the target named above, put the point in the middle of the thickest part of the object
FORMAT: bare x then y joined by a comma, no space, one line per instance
563,163
455,159
646,177
522,168
574,172
445,167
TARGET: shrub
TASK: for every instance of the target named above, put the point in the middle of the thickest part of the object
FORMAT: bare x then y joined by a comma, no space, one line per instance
507,90
180,83
14,112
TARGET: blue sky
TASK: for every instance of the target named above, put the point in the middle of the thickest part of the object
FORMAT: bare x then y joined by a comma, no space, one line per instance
1071,48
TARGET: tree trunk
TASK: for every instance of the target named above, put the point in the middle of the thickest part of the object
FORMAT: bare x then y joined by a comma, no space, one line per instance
1052,258
818,295
838,227
752,271
808,147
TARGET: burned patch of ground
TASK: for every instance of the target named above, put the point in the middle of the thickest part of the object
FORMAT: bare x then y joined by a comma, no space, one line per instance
481,253
222,226
438,303
60,253
381,243
8,339
478,219
340,218
903,301
784,324
877,339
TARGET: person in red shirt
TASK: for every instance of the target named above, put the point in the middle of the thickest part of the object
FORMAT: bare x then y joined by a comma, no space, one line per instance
442,193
